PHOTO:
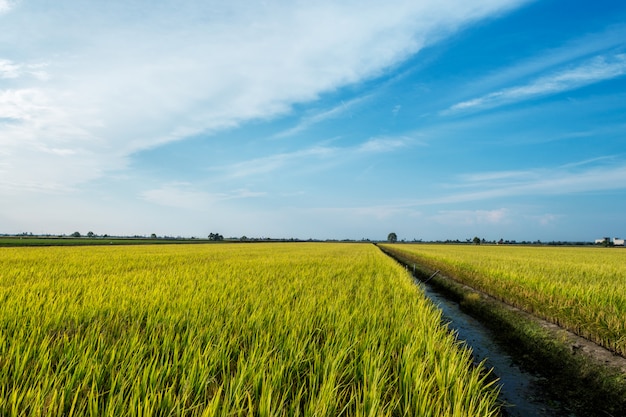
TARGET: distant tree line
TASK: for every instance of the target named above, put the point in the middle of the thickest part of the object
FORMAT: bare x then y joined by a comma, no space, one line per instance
391,237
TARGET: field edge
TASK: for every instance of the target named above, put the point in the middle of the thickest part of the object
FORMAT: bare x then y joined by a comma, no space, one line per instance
574,370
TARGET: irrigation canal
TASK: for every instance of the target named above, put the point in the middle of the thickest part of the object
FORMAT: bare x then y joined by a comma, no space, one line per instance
520,390
524,393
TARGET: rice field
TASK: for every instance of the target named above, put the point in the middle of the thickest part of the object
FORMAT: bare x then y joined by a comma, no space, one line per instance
582,289
226,330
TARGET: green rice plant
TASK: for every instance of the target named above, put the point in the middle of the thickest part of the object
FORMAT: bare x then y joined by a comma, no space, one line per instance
226,330
582,289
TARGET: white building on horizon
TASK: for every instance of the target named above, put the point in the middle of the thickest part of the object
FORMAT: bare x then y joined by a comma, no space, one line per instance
606,240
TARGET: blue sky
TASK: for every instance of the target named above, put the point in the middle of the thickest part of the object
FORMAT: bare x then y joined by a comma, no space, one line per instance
441,119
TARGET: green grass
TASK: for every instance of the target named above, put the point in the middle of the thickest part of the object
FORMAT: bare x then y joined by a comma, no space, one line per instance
226,330
581,289
13,241
588,386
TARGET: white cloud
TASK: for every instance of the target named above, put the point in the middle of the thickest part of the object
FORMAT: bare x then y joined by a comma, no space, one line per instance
147,75
275,162
8,69
43,148
481,177
563,180
6,5
595,70
377,212
335,112
172,195
547,219
473,217
384,144
548,61
334,154
21,104
13,70
184,195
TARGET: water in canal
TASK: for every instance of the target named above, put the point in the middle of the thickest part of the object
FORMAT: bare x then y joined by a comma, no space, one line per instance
519,389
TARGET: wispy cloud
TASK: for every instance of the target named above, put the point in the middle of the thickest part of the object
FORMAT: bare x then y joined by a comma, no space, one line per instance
493,223
386,144
546,218
310,120
8,69
12,70
376,212
563,180
272,163
186,196
491,177
595,70
473,217
148,76
29,105
6,5
548,61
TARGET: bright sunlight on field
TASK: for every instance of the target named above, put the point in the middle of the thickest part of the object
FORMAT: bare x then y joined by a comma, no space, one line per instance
226,330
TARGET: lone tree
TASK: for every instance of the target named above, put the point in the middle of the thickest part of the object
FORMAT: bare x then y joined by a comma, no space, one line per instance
392,237
476,240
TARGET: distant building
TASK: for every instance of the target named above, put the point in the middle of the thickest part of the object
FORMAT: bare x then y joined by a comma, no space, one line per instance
606,241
